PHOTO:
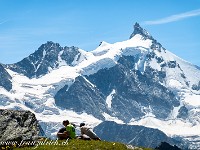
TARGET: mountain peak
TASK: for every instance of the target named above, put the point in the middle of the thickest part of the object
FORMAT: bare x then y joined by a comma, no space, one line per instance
139,30
49,45
47,57
103,43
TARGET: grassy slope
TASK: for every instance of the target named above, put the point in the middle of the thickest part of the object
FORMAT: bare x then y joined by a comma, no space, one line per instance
79,145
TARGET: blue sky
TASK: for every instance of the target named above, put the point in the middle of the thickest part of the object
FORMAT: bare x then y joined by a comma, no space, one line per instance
26,24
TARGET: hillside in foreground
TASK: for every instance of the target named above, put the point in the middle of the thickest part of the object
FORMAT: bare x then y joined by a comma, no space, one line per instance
73,145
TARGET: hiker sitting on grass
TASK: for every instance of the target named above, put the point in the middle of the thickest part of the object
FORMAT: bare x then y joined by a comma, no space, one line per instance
68,132
87,131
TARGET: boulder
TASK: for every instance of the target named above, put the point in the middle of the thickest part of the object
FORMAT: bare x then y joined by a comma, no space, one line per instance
18,125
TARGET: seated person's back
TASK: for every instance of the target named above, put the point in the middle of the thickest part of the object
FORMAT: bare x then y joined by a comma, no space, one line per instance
67,132
87,131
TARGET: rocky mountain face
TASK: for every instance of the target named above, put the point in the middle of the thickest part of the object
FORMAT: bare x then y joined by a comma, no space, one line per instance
49,56
5,80
82,97
136,81
133,135
18,125
139,30
136,92
133,92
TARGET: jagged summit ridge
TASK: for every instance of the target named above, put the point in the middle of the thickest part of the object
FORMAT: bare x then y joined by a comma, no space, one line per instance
48,56
139,30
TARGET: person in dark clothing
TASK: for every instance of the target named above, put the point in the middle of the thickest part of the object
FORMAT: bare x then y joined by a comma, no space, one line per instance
60,134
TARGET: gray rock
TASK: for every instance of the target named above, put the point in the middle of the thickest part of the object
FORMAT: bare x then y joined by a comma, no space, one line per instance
5,78
18,125
134,90
182,113
81,97
172,64
196,86
47,56
139,30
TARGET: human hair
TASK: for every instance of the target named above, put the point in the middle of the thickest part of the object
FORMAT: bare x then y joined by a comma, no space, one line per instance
82,124
66,122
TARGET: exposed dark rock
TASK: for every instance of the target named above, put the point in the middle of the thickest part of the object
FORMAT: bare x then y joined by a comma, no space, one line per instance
167,146
159,59
183,113
150,55
145,35
172,64
18,125
139,30
156,45
183,75
81,97
48,56
196,86
133,90
5,79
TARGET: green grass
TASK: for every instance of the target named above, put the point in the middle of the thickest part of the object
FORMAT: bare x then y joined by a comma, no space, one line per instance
77,145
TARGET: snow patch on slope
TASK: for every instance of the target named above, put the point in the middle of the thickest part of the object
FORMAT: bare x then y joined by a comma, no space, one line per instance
101,64
170,127
110,118
192,100
80,57
109,98
61,62
191,72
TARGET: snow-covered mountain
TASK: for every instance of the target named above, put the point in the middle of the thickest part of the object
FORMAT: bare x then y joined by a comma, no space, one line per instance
49,56
135,82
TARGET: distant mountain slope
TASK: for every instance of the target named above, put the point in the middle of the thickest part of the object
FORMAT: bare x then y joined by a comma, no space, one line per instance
133,135
5,79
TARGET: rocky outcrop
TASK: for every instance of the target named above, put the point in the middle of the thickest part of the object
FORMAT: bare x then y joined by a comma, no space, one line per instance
18,125
139,30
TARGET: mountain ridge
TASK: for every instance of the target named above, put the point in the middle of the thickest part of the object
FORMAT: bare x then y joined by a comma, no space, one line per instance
136,82
48,57
139,30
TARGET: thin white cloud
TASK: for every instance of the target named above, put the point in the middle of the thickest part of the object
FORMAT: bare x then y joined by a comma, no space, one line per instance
174,18
2,22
